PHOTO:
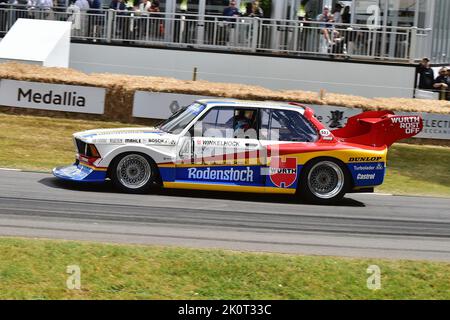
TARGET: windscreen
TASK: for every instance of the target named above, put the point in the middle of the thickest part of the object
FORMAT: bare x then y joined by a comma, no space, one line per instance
179,120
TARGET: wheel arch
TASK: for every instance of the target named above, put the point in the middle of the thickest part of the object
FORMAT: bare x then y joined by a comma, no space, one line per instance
152,161
347,172
155,155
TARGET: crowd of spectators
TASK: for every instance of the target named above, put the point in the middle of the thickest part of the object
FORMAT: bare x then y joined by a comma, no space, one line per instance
61,9
428,81
252,10
328,33
70,10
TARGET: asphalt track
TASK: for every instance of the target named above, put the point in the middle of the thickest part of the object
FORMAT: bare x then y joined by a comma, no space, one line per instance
363,225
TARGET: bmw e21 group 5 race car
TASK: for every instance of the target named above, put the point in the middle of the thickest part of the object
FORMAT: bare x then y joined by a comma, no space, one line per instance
232,145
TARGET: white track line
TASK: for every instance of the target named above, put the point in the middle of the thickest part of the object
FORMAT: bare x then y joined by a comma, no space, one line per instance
23,170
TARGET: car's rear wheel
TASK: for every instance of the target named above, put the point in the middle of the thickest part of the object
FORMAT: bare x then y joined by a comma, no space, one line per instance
133,173
323,181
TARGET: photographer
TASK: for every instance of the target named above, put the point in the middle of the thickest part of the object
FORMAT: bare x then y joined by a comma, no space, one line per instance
442,83
426,75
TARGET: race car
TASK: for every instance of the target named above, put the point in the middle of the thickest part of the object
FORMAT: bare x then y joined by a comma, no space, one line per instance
244,146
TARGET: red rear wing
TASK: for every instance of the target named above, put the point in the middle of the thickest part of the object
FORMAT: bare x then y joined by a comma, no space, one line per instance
379,128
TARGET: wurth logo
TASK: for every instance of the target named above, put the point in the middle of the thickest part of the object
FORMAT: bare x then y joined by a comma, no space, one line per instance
405,119
410,124
283,173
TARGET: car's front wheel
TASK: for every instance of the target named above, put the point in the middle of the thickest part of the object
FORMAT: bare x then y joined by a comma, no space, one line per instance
323,181
133,173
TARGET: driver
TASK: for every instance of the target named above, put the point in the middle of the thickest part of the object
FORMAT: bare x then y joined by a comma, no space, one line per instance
243,120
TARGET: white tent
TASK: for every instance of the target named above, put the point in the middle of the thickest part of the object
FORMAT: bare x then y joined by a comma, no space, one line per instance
42,42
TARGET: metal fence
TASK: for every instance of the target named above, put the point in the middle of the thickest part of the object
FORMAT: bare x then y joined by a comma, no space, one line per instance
183,30
289,37
357,41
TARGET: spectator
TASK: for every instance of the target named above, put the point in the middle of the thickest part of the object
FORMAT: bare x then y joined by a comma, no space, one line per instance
41,4
231,11
156,24
301,12
339,44
59,8
184,6
83,5
248,10
229,28
144,7
326,29
326,18
426,75
441,83
257,10
132,23
122,20
95,18
117,5
94,6
337,16
40,9
74,16
154,6
142,11
346,16
350,33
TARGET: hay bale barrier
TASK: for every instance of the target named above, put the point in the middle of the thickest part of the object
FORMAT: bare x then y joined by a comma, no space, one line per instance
120,91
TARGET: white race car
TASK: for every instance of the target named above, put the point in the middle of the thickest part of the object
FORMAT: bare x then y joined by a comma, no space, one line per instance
232,145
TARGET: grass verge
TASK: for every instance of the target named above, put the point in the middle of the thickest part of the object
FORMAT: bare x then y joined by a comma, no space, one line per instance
36,269
40,143
417,170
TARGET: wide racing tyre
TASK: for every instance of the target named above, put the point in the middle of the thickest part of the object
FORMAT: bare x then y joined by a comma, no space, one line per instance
323,181
133,173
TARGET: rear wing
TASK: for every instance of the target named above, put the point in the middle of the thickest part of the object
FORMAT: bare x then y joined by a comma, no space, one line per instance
379,128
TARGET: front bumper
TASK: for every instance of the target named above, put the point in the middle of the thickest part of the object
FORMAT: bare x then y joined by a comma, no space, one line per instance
79,173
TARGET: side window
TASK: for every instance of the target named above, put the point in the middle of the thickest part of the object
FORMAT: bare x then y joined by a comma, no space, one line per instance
245,123
230,122
217,123
287,125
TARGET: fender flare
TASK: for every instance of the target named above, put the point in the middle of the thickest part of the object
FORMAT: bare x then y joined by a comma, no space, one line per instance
345,165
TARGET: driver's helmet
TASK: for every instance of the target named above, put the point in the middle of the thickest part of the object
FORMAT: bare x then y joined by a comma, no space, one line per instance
242,121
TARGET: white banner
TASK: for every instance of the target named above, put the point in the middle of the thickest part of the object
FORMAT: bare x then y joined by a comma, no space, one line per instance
160,105
333,117
435,126
48,96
